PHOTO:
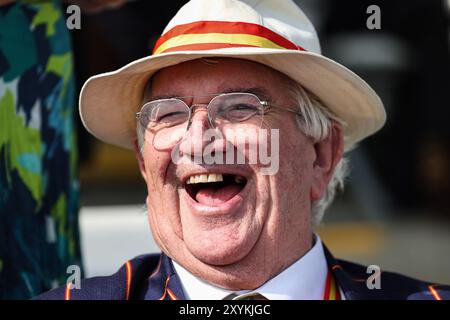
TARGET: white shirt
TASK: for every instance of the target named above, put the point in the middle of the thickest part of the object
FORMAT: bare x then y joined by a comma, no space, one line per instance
303,280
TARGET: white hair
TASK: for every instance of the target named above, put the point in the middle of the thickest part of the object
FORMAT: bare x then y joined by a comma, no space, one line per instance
315,122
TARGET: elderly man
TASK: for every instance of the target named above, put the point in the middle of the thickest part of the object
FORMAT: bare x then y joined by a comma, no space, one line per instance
226,80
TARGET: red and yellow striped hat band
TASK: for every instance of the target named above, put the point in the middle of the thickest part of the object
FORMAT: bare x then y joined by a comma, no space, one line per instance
207,35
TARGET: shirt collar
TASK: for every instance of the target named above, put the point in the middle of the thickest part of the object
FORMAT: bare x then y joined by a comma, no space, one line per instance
303,280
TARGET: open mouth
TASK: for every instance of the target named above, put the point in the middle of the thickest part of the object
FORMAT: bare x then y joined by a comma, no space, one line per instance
214,189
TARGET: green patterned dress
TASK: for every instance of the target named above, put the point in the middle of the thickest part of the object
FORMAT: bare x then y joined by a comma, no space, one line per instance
38,160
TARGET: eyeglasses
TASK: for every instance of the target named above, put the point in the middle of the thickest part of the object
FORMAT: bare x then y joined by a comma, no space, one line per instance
169,119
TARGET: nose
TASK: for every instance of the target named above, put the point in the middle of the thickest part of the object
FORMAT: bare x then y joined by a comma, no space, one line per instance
194,140
200,136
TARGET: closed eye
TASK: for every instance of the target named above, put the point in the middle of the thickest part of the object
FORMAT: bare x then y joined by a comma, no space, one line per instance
172,116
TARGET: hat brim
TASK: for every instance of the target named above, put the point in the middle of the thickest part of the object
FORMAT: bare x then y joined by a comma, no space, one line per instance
109,101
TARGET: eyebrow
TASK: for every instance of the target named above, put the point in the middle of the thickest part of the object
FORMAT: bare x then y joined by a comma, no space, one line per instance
260,92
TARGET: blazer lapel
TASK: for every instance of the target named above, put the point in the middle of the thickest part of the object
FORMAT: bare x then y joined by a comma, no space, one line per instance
163,283
353,288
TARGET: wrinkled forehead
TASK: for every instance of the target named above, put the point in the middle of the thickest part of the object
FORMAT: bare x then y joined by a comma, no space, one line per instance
165,81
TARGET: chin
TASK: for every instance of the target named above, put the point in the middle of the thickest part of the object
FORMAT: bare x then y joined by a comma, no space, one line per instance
220,247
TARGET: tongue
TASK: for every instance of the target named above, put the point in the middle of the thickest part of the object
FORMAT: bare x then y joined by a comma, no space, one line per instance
214,197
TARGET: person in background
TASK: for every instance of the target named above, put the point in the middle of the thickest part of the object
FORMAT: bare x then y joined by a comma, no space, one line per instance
39,235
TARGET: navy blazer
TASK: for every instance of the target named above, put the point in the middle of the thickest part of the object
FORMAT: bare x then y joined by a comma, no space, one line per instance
153,277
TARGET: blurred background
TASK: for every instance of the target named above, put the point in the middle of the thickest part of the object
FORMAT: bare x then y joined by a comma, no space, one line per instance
395,209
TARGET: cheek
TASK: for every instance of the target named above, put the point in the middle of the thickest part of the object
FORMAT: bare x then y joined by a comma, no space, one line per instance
156,166
162,200
291,189
296,163
295,153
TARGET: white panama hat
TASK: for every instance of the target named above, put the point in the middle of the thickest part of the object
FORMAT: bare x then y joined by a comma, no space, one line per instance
275,33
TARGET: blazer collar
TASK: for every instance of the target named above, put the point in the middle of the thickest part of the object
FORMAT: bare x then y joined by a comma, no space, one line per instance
164,283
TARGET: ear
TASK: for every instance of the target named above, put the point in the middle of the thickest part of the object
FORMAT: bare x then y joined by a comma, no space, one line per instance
140,158
328,153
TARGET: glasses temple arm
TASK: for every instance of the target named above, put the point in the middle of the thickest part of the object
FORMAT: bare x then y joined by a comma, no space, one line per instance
268,105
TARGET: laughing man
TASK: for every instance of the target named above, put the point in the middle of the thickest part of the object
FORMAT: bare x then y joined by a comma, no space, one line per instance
233,229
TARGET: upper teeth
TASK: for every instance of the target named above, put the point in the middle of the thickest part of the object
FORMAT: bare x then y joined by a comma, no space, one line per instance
203,178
